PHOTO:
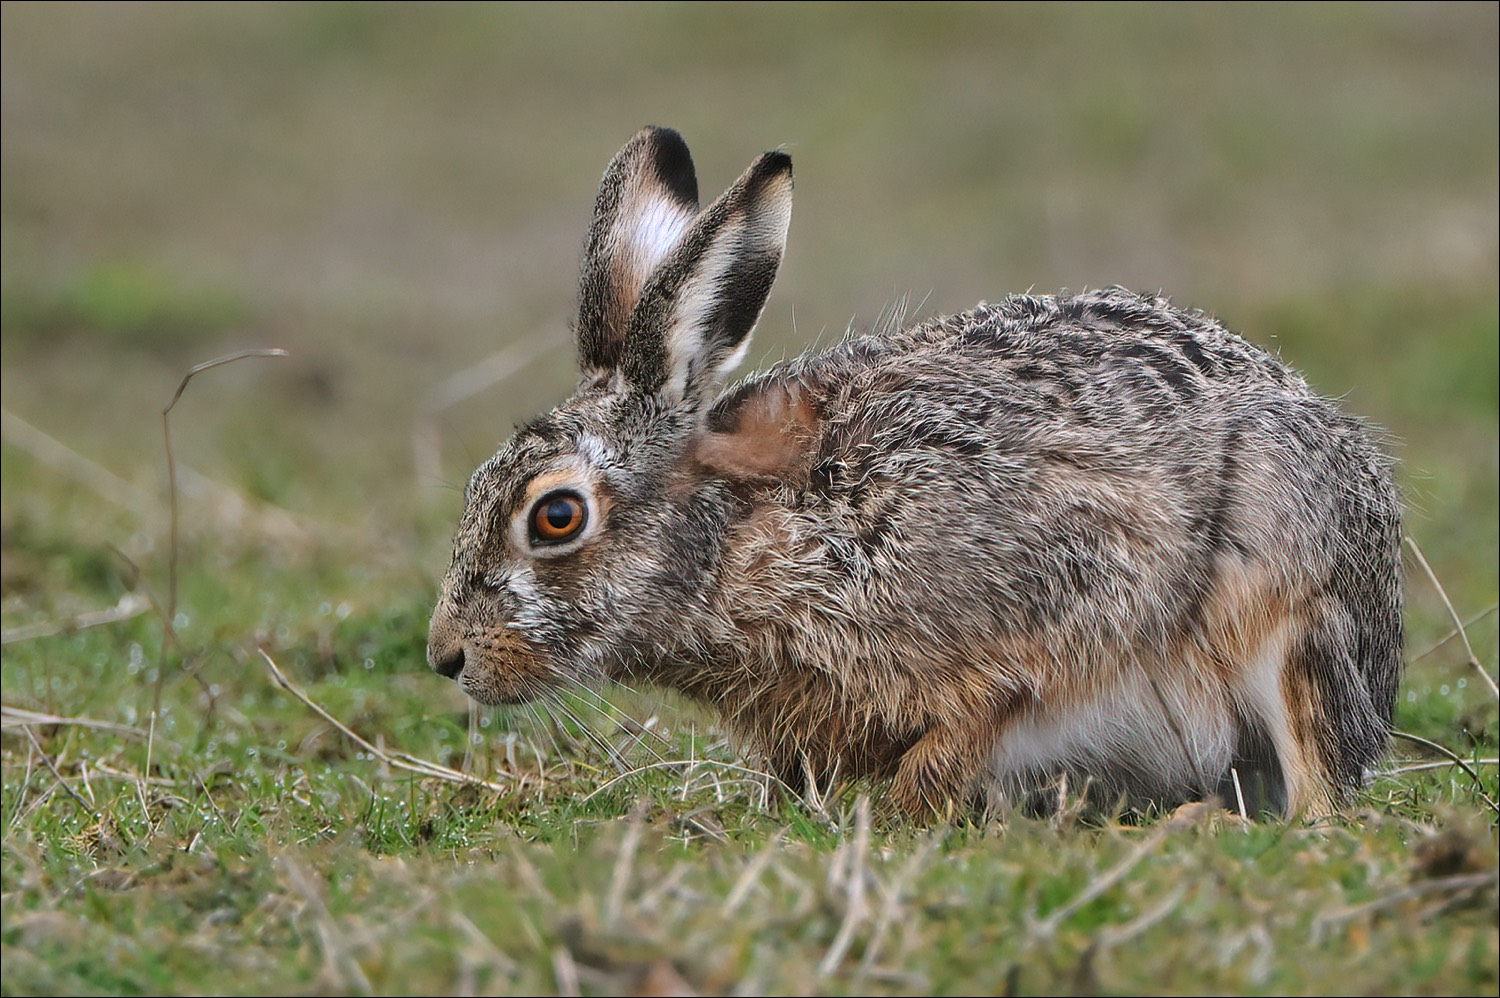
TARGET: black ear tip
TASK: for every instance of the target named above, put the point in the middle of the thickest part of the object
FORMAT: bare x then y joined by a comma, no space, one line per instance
770,167
662,133
671,162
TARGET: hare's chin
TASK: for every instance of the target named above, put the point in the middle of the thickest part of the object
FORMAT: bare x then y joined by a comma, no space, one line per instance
489,699
480,683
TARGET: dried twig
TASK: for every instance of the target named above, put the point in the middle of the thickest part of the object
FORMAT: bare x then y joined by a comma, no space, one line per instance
1456,632
1441,750
566,970
397,760
47,761
1124,933
492,954
1452,758
130,605
1457,621
1457,884
1050,924
15,717
1423,766
134,779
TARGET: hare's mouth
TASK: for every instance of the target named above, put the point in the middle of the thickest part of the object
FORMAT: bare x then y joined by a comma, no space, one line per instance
503,672
481,689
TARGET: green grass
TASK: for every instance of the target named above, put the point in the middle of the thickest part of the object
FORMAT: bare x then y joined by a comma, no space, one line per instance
393,192
258,840
237,844
139,306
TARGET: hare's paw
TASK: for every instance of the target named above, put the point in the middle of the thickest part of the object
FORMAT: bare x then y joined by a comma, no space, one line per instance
924,791
936,777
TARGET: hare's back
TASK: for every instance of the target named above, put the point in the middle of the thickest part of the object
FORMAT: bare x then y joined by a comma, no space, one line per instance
1092,462
1113,342
1091,501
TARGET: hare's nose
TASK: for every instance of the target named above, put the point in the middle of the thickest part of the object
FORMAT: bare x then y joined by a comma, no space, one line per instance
446,663
445,642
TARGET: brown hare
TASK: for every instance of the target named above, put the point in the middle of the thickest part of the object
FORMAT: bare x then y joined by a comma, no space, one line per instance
1089,538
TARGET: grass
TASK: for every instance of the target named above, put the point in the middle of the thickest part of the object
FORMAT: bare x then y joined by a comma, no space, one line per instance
393,192
258,839
139,306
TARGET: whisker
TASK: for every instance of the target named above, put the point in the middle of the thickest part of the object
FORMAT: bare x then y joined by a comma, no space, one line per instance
599,741
546,726
617,718
471,739
613,710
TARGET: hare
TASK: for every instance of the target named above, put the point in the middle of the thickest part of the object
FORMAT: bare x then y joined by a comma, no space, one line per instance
1093,540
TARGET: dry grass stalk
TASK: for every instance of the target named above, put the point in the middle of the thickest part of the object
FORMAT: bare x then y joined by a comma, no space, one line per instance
130,605
67,461
619,880
340,966
751,874
396,760
1457,621
855,908
426,441
166,432
1049,925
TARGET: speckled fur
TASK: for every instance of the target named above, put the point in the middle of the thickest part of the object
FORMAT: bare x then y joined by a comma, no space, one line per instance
1093,538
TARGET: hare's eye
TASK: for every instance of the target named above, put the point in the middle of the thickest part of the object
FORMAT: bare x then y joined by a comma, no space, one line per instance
558,517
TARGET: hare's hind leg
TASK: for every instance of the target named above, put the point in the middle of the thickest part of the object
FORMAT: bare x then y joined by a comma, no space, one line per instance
1341,720
1307,721
1277,764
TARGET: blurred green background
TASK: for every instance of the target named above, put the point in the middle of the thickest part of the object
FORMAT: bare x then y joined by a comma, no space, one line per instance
395,192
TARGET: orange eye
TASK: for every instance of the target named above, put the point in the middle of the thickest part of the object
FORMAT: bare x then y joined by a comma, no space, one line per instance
558,517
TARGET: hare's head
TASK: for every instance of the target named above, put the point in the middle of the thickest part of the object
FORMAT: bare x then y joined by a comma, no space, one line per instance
584,538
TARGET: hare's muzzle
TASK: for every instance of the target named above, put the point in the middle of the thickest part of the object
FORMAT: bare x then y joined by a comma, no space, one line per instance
491,664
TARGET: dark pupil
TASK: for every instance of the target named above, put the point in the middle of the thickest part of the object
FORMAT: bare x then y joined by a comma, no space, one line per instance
559,514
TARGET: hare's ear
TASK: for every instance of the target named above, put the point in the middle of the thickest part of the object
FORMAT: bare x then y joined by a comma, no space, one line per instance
693,321
767,430
647,201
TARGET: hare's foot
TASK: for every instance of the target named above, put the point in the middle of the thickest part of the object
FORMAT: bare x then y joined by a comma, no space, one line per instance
938,776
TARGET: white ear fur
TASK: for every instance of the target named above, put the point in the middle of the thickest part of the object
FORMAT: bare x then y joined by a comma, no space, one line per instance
748,240
648,229
693,322
648,199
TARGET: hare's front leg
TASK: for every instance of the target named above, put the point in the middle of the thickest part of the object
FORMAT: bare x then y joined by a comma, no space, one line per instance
939,774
